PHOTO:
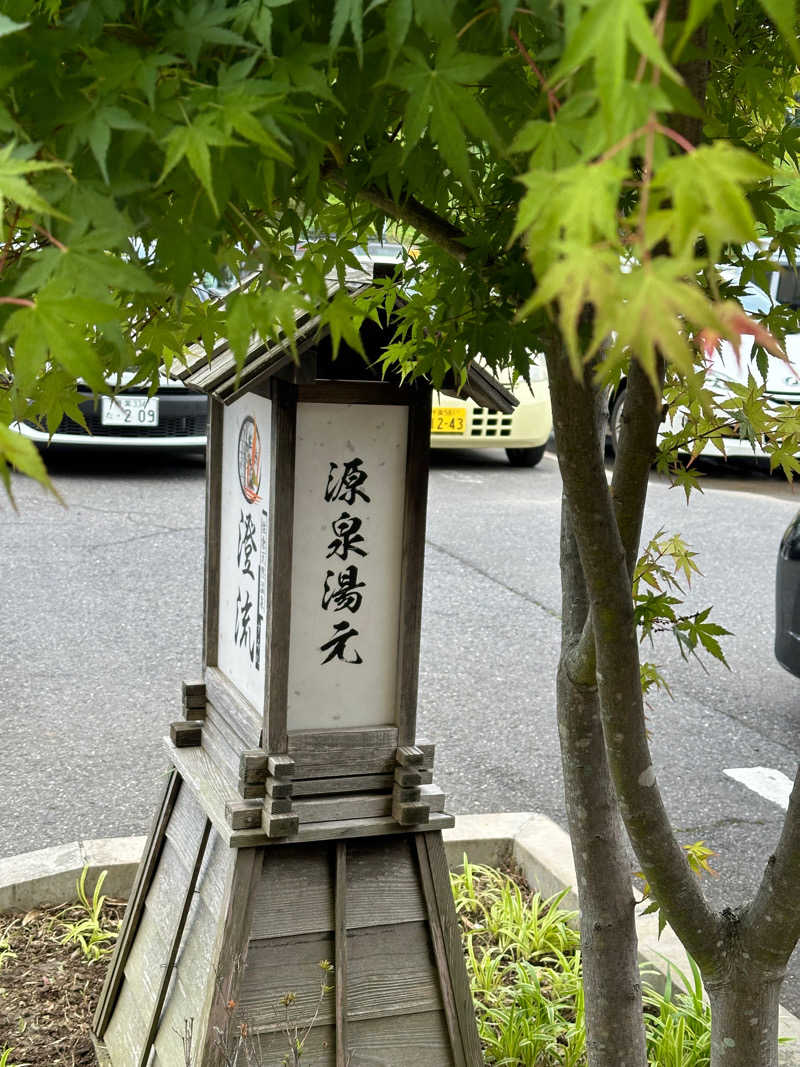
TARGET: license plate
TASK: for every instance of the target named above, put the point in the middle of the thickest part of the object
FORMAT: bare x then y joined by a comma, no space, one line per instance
129,410
448,420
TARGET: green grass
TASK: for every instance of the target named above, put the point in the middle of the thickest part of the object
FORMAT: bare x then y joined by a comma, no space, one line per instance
523,960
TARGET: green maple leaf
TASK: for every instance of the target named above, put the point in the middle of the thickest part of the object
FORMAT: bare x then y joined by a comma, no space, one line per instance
204,23
20,453
192,141
605,34
15,187
348,13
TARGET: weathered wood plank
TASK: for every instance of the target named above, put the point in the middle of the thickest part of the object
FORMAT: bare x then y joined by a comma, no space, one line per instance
419,1039
295,892
244,815
126,1029
237,710
339,753
346,806
204,781
280,766
354,392
174,947
449,950
340,948
230,948
391,971
213,514
359,783
433,796
279,966
185,734
319,1047
383,886
253,765
279,589
133,913
414,512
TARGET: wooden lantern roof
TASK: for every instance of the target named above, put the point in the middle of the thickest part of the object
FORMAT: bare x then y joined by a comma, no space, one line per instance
219,376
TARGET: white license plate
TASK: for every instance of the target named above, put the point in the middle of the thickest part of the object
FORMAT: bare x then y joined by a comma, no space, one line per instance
129,411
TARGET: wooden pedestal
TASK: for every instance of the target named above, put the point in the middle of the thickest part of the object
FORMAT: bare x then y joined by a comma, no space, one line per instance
223,945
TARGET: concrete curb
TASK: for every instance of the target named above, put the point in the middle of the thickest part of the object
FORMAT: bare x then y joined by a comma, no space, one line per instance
535,843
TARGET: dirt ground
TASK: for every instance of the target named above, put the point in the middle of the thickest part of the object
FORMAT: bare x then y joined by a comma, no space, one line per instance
48,990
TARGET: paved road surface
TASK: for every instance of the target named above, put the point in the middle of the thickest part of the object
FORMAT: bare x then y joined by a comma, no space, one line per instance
103,620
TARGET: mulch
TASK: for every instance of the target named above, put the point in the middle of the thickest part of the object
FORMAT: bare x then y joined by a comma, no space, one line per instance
48,990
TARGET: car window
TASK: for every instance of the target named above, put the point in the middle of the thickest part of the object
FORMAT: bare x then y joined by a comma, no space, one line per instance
788,287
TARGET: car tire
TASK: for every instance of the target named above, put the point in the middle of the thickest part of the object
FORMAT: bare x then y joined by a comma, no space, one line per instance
525,457
615,419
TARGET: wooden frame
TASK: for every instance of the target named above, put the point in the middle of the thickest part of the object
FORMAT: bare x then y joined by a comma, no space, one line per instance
279,588
213,533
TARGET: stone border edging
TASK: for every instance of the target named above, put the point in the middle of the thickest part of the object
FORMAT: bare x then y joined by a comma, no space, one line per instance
536,844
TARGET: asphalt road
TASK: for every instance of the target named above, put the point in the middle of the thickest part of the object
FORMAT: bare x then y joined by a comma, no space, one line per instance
103,619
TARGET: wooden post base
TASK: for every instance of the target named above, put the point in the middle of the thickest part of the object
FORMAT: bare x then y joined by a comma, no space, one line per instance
220,943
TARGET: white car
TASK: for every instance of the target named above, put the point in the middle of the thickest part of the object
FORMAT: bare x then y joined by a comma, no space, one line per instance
783,378
173,417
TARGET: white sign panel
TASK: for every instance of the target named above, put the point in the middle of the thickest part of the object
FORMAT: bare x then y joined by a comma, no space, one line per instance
346,564
242,644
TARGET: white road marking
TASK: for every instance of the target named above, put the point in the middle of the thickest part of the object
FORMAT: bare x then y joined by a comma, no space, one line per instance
767,782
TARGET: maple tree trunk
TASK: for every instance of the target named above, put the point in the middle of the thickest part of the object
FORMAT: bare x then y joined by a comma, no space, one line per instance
613,997
744,1020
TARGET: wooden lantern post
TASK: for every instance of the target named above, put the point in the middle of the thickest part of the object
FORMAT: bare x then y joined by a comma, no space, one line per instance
300,822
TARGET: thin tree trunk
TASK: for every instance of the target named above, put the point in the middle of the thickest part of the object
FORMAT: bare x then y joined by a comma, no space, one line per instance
744,1020
613,997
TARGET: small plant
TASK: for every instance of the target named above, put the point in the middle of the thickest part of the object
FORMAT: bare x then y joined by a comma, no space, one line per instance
678,1024
525,973
5,1054
94,936
296,1034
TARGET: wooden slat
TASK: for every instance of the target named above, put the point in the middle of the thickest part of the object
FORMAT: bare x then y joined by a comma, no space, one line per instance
344,806
391,971
354,392
213,791
285,965
448,949
295,892
419,1040
335,753
213,534
133,913
220,750
383,885
238,712
230,951
414,517
340,947
155,1020
359,783
279,590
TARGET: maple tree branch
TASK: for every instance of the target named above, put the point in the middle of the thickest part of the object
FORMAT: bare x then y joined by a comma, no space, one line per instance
553,103
53,240
411,211
21,301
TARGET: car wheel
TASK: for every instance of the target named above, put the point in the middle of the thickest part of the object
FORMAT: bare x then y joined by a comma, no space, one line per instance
615,419
525,457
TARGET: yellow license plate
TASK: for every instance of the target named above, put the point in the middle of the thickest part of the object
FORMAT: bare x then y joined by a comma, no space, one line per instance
448,420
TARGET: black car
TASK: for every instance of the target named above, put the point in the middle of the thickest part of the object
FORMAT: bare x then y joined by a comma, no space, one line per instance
787,599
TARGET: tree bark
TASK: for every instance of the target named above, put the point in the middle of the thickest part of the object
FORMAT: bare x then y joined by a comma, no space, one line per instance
613,997
744,1019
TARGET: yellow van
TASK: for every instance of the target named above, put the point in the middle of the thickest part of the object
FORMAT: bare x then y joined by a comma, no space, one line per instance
457,423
